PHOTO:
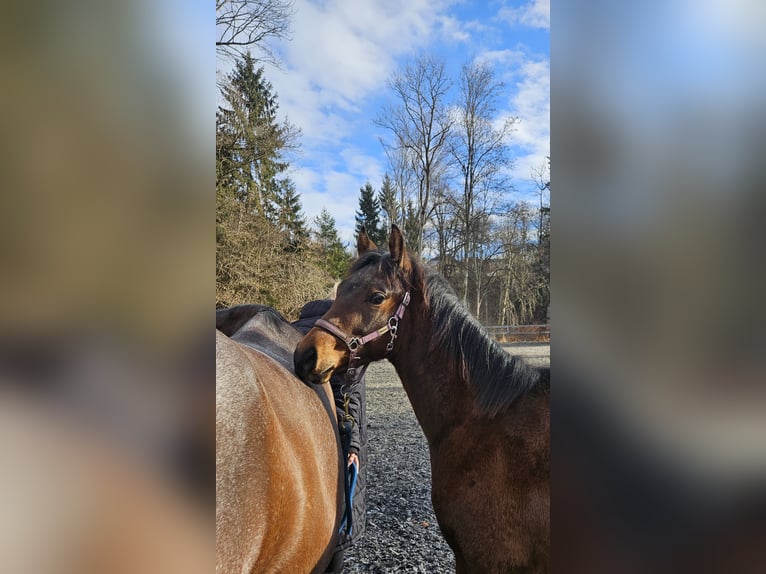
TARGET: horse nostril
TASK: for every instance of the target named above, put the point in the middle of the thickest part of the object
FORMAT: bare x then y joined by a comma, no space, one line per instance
304,361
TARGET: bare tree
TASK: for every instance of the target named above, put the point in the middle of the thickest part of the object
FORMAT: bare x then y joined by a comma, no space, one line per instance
444,220
541,176
542,179
479,149
244,25
401,167
519,294
420,125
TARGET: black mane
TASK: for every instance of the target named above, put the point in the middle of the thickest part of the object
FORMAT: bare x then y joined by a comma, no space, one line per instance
262,328
498,377
231,320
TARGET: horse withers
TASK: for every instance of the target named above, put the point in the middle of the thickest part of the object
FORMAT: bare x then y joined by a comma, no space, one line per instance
279,485
485,414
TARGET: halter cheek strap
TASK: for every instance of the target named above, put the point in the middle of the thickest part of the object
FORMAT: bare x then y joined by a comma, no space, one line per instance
355,343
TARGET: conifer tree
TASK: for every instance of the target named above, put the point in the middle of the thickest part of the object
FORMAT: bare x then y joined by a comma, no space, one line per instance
411,227
262,239
368,215
289,217
389,204
333,255
251,143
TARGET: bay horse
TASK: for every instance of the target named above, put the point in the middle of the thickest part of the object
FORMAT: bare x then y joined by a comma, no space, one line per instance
484,413
279,481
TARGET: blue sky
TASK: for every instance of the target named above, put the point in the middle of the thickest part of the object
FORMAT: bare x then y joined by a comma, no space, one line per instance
332,84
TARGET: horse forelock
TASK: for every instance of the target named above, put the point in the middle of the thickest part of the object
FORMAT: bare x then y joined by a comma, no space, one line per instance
379,261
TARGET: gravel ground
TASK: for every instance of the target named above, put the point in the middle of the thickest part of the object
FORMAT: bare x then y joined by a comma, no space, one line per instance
402,534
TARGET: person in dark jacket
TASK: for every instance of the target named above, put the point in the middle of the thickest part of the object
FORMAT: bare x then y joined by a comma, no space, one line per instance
355,443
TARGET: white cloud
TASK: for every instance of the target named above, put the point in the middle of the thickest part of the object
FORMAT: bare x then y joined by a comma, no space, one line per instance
453,29
335,191
339,58
503,59
534,14
363,165
531,103
336,66
341,51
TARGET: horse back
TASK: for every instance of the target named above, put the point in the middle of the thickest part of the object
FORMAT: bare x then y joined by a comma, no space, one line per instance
277,466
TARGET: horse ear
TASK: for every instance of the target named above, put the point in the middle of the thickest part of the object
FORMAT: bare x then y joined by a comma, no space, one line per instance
398,250
364,243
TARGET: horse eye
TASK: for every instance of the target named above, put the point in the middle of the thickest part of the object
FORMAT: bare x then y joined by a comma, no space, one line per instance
377,298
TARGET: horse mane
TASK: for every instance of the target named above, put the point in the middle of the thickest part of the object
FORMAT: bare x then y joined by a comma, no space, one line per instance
262,328
498,377
231,320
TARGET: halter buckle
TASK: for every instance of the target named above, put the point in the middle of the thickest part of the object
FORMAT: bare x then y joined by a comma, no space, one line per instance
354,343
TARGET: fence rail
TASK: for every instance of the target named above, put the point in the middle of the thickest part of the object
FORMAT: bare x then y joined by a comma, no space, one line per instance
520,333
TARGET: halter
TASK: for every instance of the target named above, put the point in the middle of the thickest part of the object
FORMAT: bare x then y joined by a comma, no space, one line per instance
356,343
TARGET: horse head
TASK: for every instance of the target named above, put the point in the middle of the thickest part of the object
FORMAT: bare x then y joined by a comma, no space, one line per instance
363,323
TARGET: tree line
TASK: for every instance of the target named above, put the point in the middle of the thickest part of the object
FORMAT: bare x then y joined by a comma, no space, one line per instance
506,277
446,187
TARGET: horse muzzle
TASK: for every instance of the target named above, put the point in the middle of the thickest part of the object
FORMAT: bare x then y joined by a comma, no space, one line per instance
317,357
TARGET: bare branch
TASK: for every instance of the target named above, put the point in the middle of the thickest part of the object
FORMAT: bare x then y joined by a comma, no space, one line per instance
420,124
245,25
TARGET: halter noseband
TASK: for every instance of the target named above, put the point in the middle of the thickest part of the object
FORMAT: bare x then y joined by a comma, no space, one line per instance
356,343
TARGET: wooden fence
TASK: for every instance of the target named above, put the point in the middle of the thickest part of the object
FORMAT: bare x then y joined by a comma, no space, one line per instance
520,333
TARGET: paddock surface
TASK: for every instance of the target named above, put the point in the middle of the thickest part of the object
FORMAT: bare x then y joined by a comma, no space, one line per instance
534,353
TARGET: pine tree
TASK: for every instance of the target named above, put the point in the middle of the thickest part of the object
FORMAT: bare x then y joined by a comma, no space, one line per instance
389,205
289,217
411,227
251,144
368,215
334,257
262,241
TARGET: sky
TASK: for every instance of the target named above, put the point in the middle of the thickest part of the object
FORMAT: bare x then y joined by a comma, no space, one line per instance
332,84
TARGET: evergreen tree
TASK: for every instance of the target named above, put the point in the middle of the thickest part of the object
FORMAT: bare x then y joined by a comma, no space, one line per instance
251,144
389,205
261,236
334,257
368,215
289,217
411,229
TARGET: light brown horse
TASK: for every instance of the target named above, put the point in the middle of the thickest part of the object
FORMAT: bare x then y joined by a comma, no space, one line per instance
484,413
279,486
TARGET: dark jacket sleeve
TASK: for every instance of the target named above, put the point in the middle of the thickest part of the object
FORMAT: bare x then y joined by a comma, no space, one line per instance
354,391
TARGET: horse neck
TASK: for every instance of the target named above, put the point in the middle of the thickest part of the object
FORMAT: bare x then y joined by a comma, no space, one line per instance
441,399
